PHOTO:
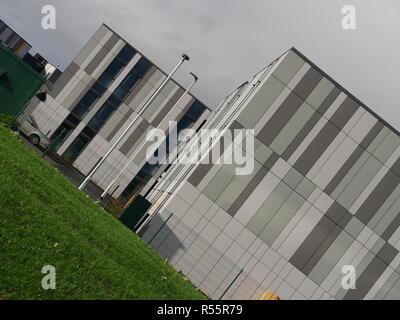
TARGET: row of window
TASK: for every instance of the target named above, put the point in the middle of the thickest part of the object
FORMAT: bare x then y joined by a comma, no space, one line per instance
107,109
92,95
148,170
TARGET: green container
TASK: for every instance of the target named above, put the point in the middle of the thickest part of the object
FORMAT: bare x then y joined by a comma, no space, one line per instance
19,82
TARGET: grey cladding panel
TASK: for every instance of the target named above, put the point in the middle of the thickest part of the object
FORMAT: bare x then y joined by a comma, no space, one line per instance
63,80
280,118
134,137
310,124
308,83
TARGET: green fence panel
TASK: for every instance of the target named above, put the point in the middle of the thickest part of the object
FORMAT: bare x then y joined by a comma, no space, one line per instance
19,82
135,212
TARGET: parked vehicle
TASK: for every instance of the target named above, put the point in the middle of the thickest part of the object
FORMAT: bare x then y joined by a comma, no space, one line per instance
31,130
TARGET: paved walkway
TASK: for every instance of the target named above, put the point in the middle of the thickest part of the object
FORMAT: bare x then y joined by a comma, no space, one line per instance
91,189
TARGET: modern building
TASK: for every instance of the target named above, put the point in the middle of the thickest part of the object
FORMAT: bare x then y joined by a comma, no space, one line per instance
324,195
12,40
94,101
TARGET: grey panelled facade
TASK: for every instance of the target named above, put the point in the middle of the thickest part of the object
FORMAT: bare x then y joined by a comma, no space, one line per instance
324,194
96,98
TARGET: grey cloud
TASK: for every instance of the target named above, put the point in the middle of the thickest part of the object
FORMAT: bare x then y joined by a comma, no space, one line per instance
230,40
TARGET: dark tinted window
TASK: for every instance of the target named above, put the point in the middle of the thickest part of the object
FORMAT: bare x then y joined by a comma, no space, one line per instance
121,93
126,54
101,117
72,119
142,66
76,148
126,86
184,123
98,88
105,79
60,135
130,81
79,144
144,174
114,68
196,110
114,99
132,188
88,132
80,111
89,99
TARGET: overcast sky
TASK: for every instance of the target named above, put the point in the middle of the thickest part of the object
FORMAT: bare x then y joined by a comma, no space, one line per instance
230,40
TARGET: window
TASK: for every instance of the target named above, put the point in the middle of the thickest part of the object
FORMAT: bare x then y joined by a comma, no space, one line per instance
89,99
123,90
114,100
101,117
184,123
196,110
126,54
76,148
80,111
88,132
130,81
120,93
139,181
114,68
149,170
132,188
98,88
79,144
62,131
72,119
61,134
142,66
105,79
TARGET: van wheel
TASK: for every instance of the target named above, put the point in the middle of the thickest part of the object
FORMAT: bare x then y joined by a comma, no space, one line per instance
34,139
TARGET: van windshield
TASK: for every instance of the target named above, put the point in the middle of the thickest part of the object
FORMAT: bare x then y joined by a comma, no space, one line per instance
32,121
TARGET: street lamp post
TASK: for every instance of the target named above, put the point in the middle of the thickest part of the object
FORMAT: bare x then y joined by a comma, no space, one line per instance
144,143
141,111
204,152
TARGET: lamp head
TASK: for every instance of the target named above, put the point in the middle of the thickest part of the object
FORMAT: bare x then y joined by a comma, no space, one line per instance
195,77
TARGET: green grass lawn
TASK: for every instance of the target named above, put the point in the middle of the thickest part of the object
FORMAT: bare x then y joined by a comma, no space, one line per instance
46,220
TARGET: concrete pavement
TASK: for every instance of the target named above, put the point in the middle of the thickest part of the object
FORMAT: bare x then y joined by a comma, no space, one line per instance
73,175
